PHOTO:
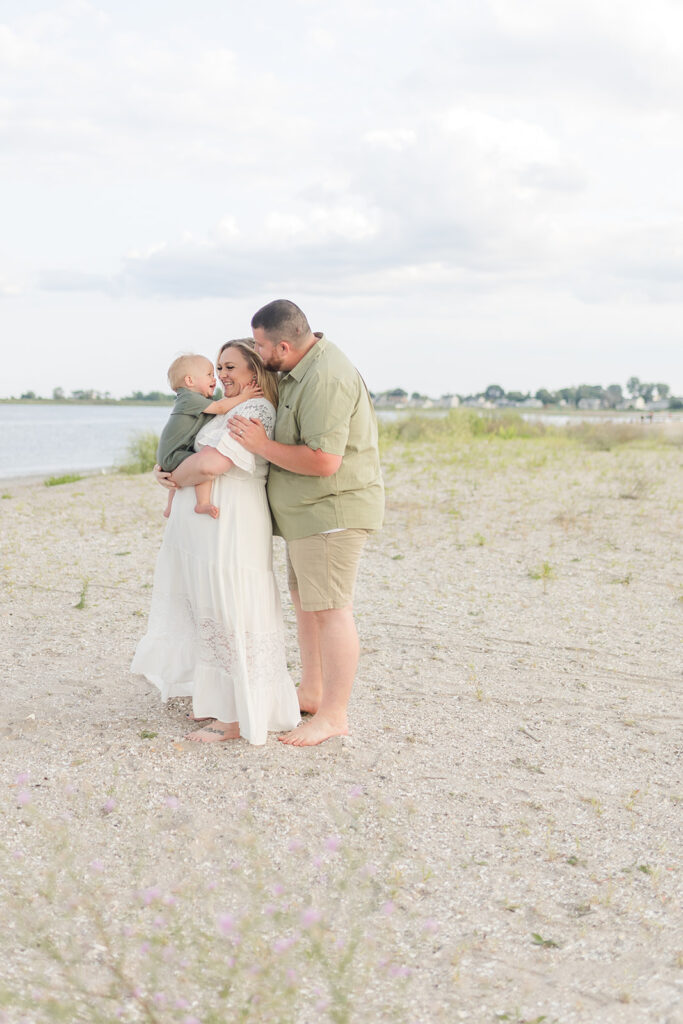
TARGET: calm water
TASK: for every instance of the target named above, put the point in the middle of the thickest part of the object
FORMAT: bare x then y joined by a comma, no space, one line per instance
37,439
49,439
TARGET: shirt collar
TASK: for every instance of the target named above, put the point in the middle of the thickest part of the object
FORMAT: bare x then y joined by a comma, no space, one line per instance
299,371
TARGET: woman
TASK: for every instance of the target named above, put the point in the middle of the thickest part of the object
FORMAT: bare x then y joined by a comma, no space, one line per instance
215,627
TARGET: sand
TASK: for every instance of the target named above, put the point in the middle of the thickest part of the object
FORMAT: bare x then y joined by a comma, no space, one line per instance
514,762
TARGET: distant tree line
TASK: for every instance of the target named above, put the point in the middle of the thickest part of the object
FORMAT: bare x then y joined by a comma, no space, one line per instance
609,397
91,395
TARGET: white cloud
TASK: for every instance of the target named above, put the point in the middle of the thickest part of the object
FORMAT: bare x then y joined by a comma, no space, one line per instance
513,151
395,139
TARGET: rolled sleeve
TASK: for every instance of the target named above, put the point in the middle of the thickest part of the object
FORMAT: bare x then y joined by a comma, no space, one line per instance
325,415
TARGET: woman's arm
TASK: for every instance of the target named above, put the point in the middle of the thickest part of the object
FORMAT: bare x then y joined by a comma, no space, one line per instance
203,465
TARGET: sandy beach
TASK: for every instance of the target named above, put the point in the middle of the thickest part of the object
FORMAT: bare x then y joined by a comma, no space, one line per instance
500,837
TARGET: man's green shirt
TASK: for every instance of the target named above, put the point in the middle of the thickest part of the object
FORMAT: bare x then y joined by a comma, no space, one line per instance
325,404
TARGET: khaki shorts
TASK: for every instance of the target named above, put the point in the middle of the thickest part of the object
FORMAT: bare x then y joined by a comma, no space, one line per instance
323,568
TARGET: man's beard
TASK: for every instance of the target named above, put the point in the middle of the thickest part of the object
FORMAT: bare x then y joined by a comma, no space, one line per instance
274,362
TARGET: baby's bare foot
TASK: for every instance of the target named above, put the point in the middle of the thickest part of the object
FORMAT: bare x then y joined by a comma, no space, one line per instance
207,510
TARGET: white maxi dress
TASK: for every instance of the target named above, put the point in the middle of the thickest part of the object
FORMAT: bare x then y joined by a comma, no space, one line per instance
215,629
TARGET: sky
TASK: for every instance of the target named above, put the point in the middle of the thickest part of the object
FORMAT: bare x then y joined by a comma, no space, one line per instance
457,192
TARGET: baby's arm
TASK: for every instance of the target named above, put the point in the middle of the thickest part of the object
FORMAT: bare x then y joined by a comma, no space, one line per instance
224,405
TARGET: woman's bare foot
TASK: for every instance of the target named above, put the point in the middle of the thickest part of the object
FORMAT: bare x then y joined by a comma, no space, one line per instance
314,731
207,510
193,718
217,732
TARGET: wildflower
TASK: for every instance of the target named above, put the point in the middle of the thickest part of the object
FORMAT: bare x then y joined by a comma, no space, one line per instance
96,865
21,779
310,916
355,792
398,971
332,843
430,926
226,924
388,908
23,797
294,845
172,802
151,895
108,806
282,945
278,889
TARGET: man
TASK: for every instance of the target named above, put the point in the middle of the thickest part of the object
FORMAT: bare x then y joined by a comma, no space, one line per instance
326,493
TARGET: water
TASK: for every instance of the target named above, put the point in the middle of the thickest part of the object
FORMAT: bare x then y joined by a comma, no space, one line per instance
51,439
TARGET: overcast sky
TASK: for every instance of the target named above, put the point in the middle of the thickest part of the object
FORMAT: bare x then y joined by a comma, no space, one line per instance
458,192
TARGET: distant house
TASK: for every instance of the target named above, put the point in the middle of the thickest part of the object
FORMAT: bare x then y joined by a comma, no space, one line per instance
590,404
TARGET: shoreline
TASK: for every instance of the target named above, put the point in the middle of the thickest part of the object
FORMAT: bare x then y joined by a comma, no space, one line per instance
38,478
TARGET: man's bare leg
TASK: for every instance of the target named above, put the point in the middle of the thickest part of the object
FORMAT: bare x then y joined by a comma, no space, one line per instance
310,689
339,651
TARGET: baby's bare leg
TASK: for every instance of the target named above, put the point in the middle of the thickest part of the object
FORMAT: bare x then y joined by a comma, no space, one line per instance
204,506
167,510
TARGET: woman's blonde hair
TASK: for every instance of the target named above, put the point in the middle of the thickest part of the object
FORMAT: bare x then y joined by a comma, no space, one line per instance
266,379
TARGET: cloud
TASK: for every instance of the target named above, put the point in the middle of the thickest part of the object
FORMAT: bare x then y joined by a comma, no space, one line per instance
482,147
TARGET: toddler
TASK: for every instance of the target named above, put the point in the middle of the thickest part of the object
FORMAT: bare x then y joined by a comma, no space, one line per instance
193,380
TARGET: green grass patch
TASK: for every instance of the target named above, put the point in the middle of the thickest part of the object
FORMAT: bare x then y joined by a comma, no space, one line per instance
462,426
141,453
67,478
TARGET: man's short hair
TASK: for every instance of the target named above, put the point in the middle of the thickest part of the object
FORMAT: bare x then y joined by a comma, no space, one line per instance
283,319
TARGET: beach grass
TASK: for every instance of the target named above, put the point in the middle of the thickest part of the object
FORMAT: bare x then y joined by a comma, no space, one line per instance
66,478
463,426
141,453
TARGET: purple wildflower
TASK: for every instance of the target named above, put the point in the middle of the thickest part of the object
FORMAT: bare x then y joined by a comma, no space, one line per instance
310,916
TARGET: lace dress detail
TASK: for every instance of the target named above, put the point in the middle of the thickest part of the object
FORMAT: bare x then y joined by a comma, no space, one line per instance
215,434
215,627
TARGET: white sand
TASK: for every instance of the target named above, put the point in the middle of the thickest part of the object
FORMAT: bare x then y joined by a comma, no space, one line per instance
525,732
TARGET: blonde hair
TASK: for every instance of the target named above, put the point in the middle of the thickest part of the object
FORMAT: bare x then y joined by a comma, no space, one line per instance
266,379
182,367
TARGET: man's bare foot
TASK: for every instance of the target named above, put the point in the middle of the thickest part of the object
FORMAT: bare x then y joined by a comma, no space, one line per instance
316,730
218,732
207,510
